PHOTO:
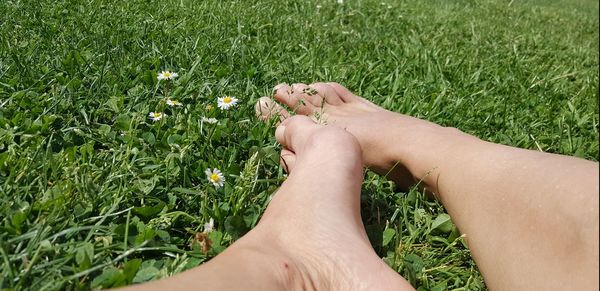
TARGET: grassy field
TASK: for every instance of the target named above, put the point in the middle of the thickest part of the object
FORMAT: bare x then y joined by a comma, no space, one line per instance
95,194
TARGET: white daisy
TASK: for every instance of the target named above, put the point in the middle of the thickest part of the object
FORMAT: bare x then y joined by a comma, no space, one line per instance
226,102
156,116
209,226
172,102
215,177
210,120
167,75
340,1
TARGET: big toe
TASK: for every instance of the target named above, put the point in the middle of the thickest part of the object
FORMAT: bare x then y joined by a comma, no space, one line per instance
327,93
302,135
294,131
342,92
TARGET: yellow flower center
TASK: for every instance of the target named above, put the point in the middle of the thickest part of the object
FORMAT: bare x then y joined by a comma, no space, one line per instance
214,177
166,74
157,114
227,99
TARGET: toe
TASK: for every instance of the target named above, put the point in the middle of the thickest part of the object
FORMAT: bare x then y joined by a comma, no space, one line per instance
342,92
308,94
283,93
266,109
287,160
299,134
326,93
293,132
294,98
299,87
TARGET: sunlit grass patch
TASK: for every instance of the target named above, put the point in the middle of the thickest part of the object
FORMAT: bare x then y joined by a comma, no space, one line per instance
111,113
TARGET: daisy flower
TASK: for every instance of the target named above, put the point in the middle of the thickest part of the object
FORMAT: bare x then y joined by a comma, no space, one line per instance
215,177
156,116
226,102
172,102
209,226
167,75
209,120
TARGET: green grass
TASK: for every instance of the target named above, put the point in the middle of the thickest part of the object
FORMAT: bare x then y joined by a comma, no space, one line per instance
93,194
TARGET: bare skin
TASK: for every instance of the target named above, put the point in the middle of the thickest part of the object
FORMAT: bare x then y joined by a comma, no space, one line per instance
311,236
531,218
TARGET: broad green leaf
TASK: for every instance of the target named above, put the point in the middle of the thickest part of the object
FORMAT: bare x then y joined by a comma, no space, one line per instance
235,226
17,220
122,122
440,287
85,255
388,235
148,212
110,277
131,268
442,223
149,137
145,274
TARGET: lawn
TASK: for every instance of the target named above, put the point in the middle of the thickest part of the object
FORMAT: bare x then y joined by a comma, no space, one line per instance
95,194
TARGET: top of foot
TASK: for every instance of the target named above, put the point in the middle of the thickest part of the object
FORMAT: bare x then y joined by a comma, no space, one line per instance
375,128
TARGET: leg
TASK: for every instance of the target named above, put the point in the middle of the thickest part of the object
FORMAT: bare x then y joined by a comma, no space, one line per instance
531,218
311,235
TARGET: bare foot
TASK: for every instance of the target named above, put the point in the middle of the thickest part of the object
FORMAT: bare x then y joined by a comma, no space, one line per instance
378,131
541,205
316,213
311,236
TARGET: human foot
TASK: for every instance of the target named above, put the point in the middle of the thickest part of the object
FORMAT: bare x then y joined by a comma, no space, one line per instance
386,138
315,215
311,236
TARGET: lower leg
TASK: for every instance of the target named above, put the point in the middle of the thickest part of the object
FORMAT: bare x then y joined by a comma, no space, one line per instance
530,218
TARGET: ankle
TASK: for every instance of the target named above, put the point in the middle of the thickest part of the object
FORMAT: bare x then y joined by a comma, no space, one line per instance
430,145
